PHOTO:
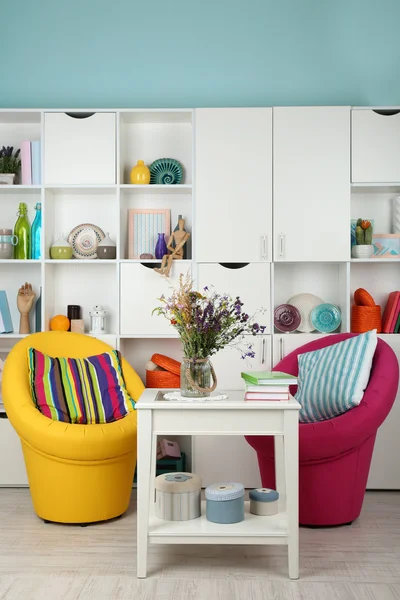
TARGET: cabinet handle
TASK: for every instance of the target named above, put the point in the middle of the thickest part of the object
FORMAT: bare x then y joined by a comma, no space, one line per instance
263,352
264,247
281,245
281,348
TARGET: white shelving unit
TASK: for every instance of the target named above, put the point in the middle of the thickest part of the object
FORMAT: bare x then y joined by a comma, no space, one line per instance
267,196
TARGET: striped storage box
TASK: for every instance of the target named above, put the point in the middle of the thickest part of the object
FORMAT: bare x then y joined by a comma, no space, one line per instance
178,496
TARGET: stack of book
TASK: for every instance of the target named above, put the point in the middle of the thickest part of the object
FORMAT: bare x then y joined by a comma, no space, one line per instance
391,314
267,385
30,163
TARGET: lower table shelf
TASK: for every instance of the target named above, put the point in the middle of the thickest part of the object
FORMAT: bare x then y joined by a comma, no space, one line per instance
253,530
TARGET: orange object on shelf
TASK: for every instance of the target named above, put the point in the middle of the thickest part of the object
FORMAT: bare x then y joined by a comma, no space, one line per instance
59,323
365,318
363,298
162,379
167,363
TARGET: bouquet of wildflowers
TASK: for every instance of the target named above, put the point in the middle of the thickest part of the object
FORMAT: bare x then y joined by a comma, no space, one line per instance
207,321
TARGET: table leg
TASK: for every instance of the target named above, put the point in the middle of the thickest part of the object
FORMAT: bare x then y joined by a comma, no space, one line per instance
144,488
280,471
291,452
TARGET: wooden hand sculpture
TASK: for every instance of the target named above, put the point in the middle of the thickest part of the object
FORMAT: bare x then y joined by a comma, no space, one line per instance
179,238
25,299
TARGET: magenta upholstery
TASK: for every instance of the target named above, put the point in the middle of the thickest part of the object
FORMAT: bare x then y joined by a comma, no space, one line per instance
335,455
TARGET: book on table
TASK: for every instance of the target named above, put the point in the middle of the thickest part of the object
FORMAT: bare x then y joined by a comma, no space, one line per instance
268,378
268,396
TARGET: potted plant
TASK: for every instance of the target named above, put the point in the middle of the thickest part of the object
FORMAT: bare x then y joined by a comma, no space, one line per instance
10,164
363,247
206,322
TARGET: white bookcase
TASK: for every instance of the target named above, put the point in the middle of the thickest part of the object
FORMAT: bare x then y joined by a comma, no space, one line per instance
267,195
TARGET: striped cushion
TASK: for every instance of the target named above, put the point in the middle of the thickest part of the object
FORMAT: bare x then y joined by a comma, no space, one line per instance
79,390
332,380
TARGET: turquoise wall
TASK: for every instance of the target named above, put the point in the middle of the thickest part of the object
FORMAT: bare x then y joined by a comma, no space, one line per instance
183,53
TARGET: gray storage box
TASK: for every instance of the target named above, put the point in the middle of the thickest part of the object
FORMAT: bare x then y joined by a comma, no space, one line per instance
263,501
178,496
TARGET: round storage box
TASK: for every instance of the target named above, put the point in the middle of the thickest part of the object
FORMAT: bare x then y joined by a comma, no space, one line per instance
225,502
178,496
263,501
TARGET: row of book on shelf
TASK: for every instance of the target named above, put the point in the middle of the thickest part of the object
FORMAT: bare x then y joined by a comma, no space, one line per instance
30,163
391,314
267,385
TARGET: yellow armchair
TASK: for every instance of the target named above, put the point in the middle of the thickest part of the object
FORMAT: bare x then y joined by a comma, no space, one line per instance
76,473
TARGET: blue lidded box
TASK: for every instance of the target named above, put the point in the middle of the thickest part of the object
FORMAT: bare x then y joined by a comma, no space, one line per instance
225,502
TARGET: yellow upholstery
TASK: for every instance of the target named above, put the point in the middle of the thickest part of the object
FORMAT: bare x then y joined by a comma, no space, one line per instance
77,473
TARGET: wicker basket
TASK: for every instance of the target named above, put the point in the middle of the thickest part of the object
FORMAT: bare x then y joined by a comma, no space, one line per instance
365,318
363,298
162,379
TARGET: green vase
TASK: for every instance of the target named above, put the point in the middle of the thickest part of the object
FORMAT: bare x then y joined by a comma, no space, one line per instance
22,230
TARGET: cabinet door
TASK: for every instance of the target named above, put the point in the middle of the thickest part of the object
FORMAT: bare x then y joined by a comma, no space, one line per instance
375,146
230,458
311,184
385,472
285,344
12,465
79,148
140,289
233,184
251,282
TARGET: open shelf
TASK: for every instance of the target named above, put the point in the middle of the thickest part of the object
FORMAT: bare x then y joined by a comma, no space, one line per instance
65,208
19,189
10,281
157,188
65,284
150,135
178,203
262,530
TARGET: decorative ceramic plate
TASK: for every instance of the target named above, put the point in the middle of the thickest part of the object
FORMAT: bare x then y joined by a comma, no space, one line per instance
84,239
326,317
286,318
304,304
167,171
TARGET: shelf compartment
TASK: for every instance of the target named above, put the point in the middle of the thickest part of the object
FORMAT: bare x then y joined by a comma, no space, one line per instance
253,530
10,199
378,279
18,126
10,281
65,209
81,261
179,204
138,351
375,204
65,284
151,135
328,281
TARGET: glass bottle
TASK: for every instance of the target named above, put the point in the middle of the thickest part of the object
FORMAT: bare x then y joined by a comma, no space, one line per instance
22,230
161,246
36,233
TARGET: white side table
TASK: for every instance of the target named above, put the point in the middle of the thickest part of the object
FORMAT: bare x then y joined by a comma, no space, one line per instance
233,416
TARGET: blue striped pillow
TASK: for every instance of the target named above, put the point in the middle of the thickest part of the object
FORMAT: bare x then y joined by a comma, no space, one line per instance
332,380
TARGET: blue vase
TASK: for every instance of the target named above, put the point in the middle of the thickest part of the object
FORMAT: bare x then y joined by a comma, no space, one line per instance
36,232
161,246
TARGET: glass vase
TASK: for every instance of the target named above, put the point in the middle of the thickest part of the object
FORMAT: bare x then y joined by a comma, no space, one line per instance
161,246
22,230
196,378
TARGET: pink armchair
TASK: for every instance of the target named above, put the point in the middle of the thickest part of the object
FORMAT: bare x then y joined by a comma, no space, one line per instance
335,455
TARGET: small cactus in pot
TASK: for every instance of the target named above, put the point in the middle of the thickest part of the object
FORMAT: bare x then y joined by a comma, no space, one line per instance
363,247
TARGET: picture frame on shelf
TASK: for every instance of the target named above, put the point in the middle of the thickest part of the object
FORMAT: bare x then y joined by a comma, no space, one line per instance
144,225
386,245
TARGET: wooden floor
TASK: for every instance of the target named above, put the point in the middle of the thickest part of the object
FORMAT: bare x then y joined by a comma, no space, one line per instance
54,562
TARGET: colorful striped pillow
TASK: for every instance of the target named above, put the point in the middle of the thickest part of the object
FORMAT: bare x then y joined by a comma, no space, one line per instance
79,390
332,380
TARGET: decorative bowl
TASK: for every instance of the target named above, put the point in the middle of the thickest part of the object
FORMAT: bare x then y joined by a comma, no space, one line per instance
165,171
326,317
304,304
286,318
